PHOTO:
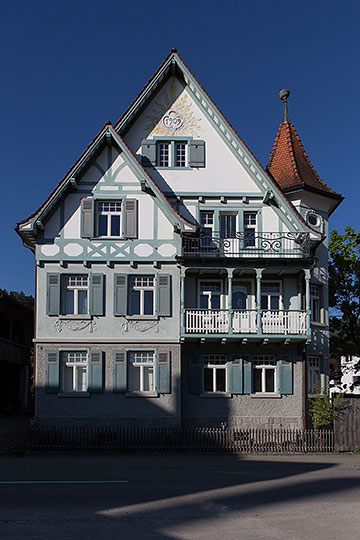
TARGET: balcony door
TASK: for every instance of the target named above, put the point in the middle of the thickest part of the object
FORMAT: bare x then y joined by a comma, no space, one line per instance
210,294
228,233
244,320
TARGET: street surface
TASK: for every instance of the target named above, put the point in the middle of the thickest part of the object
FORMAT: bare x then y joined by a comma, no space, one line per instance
168,497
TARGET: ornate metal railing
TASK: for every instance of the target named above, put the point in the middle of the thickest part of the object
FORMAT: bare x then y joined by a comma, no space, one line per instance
250,244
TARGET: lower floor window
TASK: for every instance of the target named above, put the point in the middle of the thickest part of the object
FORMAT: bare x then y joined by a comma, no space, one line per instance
141,371
74,371
264,374
214,372
314,374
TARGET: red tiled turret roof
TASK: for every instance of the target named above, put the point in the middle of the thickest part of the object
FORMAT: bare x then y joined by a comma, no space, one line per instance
290,166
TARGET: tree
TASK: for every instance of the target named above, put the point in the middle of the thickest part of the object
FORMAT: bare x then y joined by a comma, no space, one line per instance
21,297
344,293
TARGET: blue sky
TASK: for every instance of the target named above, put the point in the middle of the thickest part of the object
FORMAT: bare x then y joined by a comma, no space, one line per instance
67,67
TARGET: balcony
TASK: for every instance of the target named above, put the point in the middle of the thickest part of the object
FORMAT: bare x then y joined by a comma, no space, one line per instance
253,244
223,321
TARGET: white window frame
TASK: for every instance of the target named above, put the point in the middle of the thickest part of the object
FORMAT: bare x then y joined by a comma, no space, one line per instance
141,363
252,228
315,302
109,213
314,374
142,288
227,214
210,293
75,288
215,362
172,161
279,294
262,362
75,364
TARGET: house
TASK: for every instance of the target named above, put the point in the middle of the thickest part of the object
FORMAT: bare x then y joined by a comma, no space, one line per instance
16,334
178,282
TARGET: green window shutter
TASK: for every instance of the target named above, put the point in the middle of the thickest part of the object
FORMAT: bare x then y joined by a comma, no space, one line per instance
235,375
87,218
120,294
195,374
130,218
95,374
247,374
284,372
163,382
197,153
119,372
52,381
53,294
164,295
96,294
148,151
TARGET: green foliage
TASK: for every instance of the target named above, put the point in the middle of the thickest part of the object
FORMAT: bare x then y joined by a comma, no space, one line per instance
323,408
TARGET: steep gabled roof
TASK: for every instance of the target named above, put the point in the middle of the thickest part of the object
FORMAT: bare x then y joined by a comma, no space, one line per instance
27,227
290,165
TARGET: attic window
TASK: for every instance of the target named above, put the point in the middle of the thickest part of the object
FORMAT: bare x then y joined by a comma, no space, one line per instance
174,152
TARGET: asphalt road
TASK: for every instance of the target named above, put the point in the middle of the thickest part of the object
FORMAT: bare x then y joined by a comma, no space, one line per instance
146,497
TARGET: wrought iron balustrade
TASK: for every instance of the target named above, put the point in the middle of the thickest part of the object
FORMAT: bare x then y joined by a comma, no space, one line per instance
247,244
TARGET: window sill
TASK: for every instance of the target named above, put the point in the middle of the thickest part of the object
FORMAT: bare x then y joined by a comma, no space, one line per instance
215,395
77,317
173,168
266,396
141,394
73,394
141,317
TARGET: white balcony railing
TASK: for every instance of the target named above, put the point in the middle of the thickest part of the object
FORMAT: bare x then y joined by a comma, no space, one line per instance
221,321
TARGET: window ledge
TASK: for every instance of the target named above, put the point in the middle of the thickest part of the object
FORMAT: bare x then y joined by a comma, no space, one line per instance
266,396
141,394
215,395
77,317
141,317
73,394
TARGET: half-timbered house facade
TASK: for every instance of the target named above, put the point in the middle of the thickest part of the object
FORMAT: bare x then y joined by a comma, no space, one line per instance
178,282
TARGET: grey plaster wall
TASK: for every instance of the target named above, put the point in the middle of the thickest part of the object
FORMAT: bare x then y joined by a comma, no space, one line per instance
108,407
245,410
108,326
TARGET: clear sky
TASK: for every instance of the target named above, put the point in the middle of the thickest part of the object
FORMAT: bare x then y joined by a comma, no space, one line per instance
67,67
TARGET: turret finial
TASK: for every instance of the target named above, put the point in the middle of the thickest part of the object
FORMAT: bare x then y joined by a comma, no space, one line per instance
283,95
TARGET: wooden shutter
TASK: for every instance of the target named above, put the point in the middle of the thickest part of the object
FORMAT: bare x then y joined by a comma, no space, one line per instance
197,153
119,372
95,375
87,218
235,375
284,369
164,373
148,151
120,294
195,374
96,294
52,380
131,218
164,295
247,374
53,294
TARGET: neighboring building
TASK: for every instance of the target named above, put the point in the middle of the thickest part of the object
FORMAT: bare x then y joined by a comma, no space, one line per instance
16,334
345,375
178,282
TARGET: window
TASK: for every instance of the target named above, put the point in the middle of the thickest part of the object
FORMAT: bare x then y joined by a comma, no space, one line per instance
214,373
315,303
264,374
141,371
270,296
210,294
109,213
172,154
314,375
228,225
249,229
75,295
142,295
74,371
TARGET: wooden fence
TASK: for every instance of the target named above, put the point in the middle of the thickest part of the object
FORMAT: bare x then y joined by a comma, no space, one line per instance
181,440
347,424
